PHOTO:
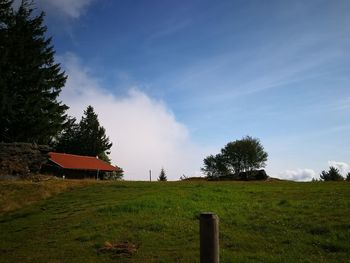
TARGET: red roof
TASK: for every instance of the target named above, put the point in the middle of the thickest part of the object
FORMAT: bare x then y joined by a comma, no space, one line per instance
71,161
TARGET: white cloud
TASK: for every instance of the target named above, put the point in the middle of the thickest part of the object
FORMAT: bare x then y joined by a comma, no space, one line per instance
145,134
298,175
343,167
69,8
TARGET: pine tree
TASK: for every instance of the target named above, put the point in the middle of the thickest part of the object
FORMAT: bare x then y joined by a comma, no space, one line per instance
67,140
6,14
86,138
30,80
332,175
92,137
162,175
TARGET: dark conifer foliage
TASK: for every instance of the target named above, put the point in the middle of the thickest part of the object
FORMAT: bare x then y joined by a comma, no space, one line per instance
30,80
162,175
67,141
86,138
333,174
92,136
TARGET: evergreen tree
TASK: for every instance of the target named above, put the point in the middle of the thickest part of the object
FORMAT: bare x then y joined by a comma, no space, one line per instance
348,177
162,175
86,138
92,137
104,156
6,15
30,80
67,140
333,174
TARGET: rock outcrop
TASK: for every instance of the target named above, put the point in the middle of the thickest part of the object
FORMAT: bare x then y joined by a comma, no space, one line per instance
22,159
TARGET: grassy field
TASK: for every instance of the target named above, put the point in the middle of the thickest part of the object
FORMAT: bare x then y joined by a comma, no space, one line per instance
259,222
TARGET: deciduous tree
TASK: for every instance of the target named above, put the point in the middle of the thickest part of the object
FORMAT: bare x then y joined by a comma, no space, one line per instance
237,158
214,166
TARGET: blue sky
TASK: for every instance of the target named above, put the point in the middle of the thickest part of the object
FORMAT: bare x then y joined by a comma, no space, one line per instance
213,71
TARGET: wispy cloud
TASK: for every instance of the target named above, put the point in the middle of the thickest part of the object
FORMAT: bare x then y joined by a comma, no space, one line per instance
254,71
144,132
169,29
66,8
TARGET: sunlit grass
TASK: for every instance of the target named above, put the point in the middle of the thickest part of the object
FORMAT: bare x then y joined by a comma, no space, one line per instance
259,222
18,194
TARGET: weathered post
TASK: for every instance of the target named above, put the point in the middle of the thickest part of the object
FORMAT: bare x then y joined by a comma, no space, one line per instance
209,238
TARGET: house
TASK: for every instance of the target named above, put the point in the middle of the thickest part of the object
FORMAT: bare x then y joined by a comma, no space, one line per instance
77,166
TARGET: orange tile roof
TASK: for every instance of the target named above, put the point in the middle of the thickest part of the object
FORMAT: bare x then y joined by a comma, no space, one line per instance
71,161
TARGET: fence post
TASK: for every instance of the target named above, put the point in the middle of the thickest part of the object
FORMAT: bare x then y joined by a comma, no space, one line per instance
209,238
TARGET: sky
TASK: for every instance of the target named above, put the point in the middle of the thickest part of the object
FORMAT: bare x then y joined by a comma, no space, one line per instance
175,81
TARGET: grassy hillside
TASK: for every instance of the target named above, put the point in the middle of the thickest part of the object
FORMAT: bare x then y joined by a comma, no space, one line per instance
259,222
18,194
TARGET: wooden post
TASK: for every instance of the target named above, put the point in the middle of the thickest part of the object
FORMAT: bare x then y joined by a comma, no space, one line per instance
209,238
150,175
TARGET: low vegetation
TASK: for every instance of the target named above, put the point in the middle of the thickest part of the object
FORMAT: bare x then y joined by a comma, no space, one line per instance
152,222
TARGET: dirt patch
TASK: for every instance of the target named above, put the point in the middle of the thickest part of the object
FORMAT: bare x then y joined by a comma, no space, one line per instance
122,249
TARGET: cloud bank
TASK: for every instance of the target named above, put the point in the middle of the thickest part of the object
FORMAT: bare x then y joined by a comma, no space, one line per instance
145,134
68,8
298,174
343,167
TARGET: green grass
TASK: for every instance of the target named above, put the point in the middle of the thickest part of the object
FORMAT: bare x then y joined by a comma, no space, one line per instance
259,222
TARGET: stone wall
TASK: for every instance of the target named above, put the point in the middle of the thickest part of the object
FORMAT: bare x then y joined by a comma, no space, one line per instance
22,159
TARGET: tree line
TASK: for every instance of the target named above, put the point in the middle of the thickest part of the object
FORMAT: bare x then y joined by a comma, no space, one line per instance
30,84
333,174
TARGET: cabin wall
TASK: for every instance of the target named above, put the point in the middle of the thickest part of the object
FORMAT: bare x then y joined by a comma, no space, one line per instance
53,169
